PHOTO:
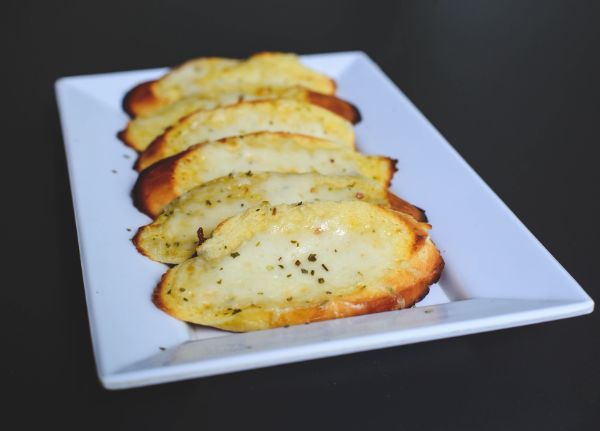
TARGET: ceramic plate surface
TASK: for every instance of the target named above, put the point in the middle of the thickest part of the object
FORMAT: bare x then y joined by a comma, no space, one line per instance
497,274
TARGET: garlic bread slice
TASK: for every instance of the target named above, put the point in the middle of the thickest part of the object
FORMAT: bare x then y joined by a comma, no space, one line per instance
174,235
259,152
249,117
142,130
289,264
221,75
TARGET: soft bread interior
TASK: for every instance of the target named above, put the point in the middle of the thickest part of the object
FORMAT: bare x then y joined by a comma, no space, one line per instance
292,264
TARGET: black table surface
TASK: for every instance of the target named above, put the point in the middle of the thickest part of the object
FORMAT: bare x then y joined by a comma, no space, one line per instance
513,85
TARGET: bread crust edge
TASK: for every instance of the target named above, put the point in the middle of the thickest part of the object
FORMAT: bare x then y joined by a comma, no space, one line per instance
403,298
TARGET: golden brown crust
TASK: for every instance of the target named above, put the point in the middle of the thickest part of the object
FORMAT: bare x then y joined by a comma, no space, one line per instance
336,105
152,153
141,99
393,168
156,294
404,297
155,186
124,137
399,204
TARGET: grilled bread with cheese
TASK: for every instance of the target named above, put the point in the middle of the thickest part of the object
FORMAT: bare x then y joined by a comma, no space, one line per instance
278,115
142,130
174,235
259,152
222,75
289,264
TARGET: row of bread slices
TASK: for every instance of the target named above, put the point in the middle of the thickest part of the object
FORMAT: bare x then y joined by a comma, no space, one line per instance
249,171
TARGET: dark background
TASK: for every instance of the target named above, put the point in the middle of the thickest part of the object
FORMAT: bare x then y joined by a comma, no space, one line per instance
513,85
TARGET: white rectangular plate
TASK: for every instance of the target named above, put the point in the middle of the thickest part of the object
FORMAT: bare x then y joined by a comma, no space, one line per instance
497,274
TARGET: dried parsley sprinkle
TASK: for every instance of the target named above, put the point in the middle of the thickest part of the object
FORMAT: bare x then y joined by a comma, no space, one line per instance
312,257
328,292
324,267
312,272
234,254
249,173
321,280
304,271
208,202
274,211
297,263
169,292
185,299
335,250
293,241
289,275
219,281
281,266
236,311
258,243
299,203
182,289
259,293
269,267
289,298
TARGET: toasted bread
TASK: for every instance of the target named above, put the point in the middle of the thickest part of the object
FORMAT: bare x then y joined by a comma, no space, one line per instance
259,152
249,117
142,130
221,75
173,236
289,264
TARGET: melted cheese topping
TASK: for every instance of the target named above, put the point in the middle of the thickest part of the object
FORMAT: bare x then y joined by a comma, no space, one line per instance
180,80
269,152
250,117
172,237
301,256
211,75
143,129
